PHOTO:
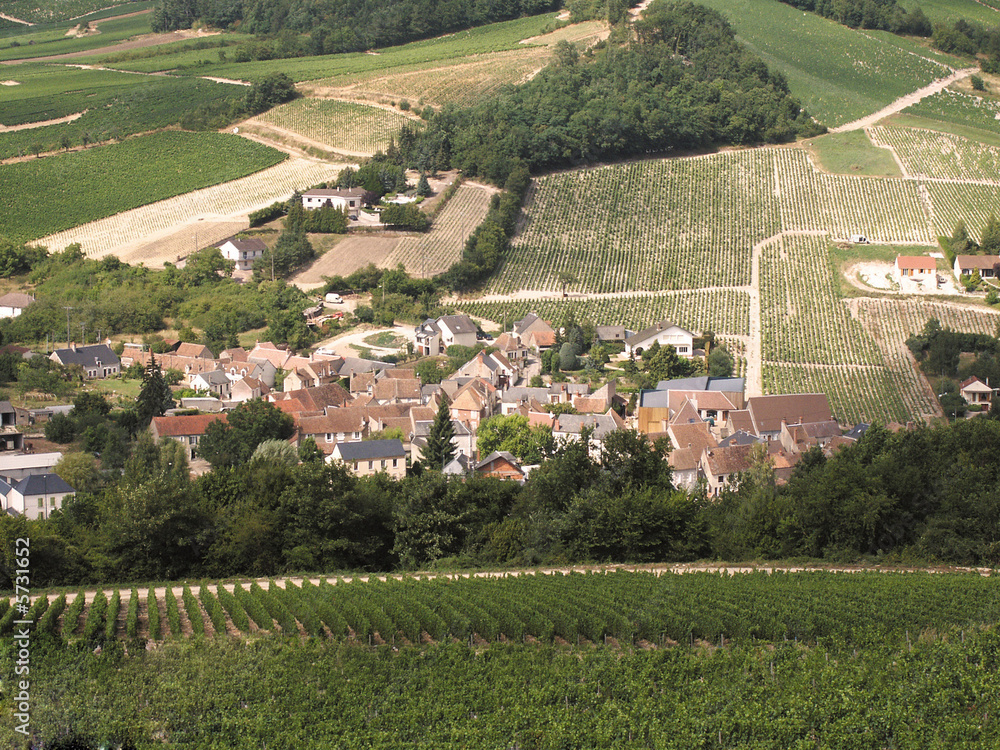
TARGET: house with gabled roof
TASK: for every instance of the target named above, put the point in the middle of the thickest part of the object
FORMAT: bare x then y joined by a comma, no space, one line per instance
988,266
97,360
915,268
212,381
345,425
199,351
13,304
768,412
534,332
371,457
433,337
346,199
243,252
975,391
245,389
721,466
502,465
34,496
665,333
512,348
186,429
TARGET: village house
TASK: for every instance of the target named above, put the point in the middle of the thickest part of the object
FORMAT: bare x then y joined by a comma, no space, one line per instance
245,389
243,252
186,429
349,200
987,265
473,403
464,439
720,466
664,333
534,332
433,337
798,438
13,304
512,348
196,351
611,334
690,439
372,456
493,367
975,391
212,381
768,412
345,425
97,360
312,374
915,268
502,465
34,496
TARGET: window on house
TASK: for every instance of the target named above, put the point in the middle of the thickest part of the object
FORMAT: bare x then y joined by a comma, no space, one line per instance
355,465
395,462
371,465
357,435
383,463
329,438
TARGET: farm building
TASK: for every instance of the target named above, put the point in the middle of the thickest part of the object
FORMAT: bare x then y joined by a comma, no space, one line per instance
243,252
186,429
349,200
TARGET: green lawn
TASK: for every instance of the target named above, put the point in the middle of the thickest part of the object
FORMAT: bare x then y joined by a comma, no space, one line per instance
55,41
42,196
853,153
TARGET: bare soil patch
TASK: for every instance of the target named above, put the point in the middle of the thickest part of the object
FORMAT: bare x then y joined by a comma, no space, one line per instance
347,257
41,123
146,40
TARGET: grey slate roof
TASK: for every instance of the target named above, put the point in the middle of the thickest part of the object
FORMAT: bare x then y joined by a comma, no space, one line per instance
42,484
88,356
458,323
703,383
858,431
367,450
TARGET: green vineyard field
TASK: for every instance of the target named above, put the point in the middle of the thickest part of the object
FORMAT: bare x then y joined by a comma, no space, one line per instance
141,170
858,609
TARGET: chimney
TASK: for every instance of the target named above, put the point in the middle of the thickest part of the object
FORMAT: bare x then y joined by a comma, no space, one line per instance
72,345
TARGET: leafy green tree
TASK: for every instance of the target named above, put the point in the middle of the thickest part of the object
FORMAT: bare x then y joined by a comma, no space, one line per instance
79,471
513,434
233,441
270,91
567,357
61,428
155,396
205,266
631,461
720,362
276,451
309,451
990,243
440,448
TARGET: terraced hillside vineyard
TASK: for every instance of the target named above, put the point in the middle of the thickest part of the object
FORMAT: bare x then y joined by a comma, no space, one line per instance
435,251
940,156
648,225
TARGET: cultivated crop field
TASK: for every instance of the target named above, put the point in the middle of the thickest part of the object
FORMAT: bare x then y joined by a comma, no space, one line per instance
346,126
957,107
481,40
434,252
118,106
49,11
129,231
886,211
839,74
926,153
460,81
725,311
34,44
861,609
142,170
787,659
804,320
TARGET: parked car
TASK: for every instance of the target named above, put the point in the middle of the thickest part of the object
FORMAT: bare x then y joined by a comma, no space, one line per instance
334,299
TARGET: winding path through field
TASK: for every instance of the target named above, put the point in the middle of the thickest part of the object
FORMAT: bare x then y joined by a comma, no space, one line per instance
906,101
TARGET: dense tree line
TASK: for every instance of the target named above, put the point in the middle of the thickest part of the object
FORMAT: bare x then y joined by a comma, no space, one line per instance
345,26
684,83
887,15
928,494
